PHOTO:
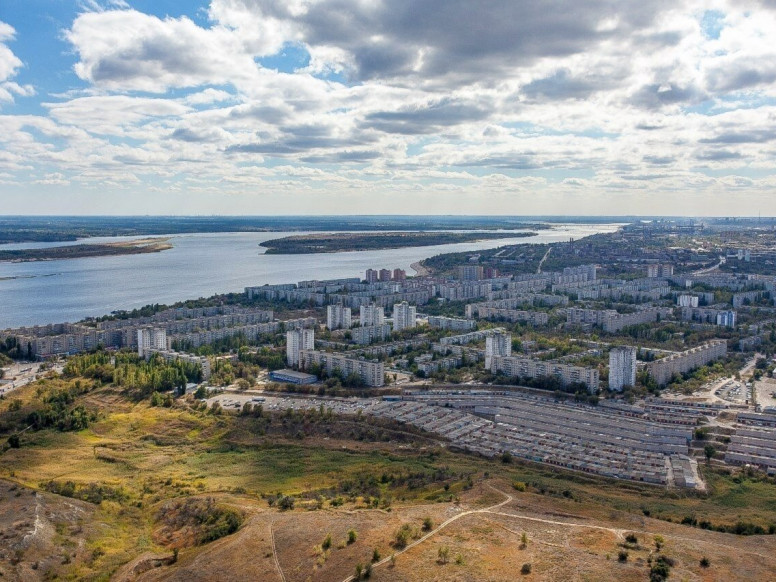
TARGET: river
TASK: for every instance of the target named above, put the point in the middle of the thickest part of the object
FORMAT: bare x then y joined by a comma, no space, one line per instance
198,265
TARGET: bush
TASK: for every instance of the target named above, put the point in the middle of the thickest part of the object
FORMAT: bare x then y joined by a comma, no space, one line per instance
525,569
705,563
375,555
631,538
326,542
622,556
352,536
428,524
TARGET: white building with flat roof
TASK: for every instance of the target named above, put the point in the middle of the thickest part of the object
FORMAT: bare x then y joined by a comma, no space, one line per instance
404,316
297,340
338,317
149,339
622,367
497,345
371,315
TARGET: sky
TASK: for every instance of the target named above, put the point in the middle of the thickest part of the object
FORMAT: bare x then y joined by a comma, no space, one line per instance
638,107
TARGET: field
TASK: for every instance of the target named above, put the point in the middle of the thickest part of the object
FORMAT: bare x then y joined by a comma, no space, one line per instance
293,479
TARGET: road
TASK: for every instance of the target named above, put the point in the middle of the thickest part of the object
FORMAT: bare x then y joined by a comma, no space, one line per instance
544,258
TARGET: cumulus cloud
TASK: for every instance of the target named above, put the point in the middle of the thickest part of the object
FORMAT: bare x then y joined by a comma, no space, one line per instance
9,66
410,98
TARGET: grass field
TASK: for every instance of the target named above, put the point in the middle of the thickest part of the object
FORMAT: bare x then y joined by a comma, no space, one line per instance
143,456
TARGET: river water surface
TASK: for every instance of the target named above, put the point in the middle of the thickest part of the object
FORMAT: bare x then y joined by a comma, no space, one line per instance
198,265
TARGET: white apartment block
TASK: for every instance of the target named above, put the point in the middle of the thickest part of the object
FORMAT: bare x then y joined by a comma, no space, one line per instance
497,345
662,370
687,301
452,323
338,317
370,333
528,368
622,367
372,315
372,373
404,316
149,339
296,341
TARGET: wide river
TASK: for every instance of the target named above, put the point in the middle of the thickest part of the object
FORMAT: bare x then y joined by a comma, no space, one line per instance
198,265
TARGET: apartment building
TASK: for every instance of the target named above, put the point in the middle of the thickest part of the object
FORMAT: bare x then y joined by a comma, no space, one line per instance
338,317
372,373
530,368
662,370
371,314
296,341
497,345
451,323
622,367
151,339
404,316
370,333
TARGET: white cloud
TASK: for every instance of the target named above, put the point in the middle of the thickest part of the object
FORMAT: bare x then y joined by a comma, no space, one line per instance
545,104
9,66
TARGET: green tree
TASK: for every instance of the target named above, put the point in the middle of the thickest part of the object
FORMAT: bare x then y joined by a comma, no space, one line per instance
709,451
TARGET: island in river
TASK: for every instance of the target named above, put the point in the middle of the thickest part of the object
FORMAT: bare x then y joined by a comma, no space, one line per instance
131,247
369,241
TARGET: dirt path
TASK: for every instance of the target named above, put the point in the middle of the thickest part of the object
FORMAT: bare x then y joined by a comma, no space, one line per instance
544,258
440,527
275,551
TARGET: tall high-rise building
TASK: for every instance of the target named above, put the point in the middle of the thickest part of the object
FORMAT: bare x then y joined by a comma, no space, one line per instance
498,344
151,338
622,367
372,315
371,276
385,275
298,339
338,317
404,316
399,274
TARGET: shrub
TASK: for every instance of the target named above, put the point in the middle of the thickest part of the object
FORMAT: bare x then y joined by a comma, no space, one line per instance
352,536
705,563
525,569
428,524
326,542
375,555
622,556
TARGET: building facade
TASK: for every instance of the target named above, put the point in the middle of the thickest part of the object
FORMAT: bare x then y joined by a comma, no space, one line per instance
622,367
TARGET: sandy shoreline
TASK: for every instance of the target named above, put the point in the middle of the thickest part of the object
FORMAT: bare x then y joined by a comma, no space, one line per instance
420,270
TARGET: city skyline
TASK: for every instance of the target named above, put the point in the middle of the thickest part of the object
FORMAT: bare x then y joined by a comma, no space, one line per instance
323,107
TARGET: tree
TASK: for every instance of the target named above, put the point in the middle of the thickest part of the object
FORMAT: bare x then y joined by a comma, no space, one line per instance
444,555
525,569
709,451
659,542
13,441
524,541
375,555
428,524
326,542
